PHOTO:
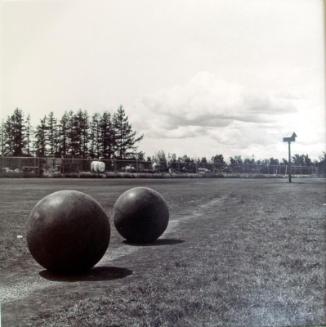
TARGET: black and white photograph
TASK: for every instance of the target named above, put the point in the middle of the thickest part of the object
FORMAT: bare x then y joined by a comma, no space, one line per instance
162,163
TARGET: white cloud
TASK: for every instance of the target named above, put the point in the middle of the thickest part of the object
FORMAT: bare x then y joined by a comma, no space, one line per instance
206,102
206,110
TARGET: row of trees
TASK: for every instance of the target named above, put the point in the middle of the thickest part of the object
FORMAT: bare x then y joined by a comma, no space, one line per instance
108,135
218,163
75,134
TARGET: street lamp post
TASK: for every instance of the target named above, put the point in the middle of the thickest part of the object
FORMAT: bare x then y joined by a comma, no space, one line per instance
289,140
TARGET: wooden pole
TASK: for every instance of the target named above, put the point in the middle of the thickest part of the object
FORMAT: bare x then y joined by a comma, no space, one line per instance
290,177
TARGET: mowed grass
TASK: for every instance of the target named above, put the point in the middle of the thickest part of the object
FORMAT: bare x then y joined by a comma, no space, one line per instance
237,253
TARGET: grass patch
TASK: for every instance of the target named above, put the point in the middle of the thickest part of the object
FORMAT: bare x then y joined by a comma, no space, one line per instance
252,255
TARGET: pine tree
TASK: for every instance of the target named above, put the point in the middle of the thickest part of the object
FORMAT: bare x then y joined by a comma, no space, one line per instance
63,141
2,138
41,138
7,144
15,133
125,137
28,136
107,136
95,136
52,135
74,137
83,127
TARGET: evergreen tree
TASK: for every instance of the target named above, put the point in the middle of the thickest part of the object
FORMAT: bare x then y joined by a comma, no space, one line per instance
74,139
95,136
52,135
108,136
2,138
28,136
63,128
41,138
15,133
82,117
73,134
8,144
125,137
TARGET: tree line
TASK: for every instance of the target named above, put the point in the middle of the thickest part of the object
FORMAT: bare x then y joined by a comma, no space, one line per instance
110,136
75,134
236,163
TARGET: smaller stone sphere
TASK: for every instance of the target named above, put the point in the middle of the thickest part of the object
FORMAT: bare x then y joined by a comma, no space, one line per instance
141,215
68,231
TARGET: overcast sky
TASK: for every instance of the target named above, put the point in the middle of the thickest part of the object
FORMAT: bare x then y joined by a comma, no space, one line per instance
196,77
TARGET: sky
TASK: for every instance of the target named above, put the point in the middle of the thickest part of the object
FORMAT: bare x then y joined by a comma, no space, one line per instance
196,77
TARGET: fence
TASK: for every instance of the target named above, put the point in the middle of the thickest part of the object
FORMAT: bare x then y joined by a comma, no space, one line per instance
33,166
281,169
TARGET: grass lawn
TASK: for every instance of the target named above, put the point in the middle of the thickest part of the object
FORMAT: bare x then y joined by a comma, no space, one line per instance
237,252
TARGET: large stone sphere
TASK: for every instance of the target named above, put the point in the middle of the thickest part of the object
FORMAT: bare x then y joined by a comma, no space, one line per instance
140,215
68,231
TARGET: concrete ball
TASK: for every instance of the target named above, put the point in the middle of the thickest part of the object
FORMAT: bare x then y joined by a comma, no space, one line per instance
141,215
68,231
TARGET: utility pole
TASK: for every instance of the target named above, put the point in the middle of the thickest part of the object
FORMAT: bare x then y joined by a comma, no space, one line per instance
289,140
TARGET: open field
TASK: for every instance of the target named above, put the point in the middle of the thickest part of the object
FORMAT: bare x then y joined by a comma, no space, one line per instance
237,252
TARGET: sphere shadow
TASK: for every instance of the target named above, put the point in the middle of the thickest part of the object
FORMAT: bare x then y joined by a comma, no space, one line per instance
100,273
161,241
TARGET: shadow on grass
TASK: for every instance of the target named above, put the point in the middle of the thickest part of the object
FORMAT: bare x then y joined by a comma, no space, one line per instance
95,274
161,241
